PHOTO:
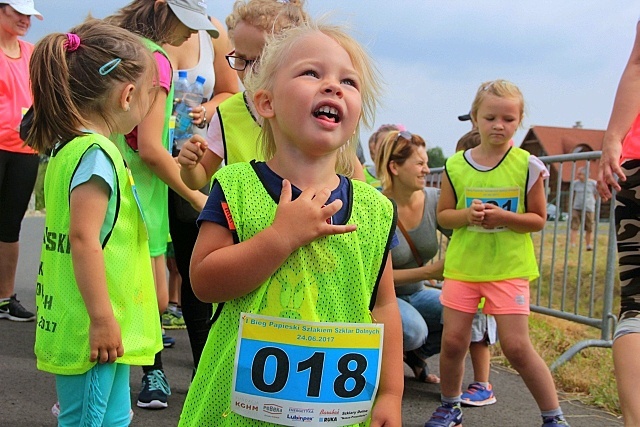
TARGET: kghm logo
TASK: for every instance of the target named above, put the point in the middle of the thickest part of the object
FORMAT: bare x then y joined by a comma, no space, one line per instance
247,406
270,408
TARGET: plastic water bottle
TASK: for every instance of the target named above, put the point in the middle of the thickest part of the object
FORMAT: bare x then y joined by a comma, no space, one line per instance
182,85
192,98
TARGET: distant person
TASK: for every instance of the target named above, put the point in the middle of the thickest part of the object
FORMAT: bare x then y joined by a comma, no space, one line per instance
267,225
370,174
18,163
584,197
201,55
147,149
492,197
96,297
621,159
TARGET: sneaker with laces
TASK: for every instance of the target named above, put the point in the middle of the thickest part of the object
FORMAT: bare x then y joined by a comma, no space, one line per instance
155,390
172,319
446,415
11,309
478,395
557,421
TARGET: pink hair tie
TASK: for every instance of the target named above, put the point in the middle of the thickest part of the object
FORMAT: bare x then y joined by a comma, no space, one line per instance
401,127
73,42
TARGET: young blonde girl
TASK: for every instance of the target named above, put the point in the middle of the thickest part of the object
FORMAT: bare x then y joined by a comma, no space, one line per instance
492,197
95,293
321,257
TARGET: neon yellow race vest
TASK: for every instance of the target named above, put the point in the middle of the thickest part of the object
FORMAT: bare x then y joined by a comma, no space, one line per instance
62,324
240,131
330,280
152,191
474,256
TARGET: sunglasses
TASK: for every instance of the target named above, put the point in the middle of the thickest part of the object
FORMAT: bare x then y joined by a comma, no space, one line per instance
402,134
238,63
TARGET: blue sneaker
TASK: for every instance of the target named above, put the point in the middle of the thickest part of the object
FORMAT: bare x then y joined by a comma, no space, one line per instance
478,395
446,415
155,390
167,341
557,421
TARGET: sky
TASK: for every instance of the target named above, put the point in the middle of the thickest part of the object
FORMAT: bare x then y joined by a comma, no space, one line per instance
566,56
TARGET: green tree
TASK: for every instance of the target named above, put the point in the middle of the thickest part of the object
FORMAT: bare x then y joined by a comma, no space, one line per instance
436,157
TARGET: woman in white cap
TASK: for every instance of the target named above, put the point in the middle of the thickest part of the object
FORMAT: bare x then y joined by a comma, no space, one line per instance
18,163
147,148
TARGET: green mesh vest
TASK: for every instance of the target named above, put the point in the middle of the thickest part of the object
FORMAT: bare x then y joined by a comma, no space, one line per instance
62,324
480,257
333,279
152,191
240,132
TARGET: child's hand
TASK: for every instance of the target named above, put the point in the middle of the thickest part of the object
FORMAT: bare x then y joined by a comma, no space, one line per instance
304,220
387,411
475,212
493,216
192,151
105,340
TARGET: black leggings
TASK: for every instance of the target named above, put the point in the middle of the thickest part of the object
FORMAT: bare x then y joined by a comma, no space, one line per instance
18,172
196,313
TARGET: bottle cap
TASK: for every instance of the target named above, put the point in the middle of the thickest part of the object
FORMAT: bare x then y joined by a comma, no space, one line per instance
200,79
182,74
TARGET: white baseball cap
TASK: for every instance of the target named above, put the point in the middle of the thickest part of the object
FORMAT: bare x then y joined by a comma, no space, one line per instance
193,14
25,7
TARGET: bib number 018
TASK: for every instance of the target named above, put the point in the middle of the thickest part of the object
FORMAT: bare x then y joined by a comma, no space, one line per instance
348,384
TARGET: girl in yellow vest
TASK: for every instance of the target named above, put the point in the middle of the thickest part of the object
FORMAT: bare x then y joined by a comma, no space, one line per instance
95,293
288,243
492,197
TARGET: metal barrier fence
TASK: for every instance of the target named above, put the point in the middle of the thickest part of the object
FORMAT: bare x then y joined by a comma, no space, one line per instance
574,284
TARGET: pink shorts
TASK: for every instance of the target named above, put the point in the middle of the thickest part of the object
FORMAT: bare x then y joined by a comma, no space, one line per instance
501,297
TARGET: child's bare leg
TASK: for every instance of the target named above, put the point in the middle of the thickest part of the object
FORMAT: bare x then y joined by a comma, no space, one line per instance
160,278
513,330
456,335
627,366
481,361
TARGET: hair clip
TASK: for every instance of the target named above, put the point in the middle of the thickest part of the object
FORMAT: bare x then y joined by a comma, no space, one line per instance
73,42
109,66
284,1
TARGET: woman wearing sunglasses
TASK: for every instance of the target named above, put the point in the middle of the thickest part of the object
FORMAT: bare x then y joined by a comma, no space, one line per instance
401,164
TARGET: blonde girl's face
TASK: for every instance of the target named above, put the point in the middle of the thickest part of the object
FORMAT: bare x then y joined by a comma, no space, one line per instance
316,96
248,41
498,119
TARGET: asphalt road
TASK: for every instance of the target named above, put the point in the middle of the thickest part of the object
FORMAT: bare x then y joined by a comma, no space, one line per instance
26,394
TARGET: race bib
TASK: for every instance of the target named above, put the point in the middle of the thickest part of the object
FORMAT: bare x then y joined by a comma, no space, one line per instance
505,198
293,372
